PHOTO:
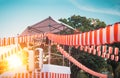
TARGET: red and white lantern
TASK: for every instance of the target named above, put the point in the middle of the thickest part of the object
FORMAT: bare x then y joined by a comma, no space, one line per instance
89,50
116,51
94,52
112,57
116,58
98,48
110,50
107,56
99,53
104,48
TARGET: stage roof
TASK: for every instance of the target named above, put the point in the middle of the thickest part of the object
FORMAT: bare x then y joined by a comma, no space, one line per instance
45,26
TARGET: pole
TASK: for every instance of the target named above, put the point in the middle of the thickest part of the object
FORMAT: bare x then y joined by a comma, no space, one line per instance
49,47
69,54
63,58
49,52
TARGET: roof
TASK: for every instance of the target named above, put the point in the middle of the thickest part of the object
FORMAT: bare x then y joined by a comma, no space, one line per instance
45,26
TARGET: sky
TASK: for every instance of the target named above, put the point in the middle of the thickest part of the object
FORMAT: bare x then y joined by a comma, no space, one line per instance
16,15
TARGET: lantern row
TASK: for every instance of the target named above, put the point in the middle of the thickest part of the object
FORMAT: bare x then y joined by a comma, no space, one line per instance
70,58
38,75
107,35
102,51
14,49
19,39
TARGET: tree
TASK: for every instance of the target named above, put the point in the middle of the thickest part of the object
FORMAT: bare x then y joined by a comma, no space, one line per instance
82,23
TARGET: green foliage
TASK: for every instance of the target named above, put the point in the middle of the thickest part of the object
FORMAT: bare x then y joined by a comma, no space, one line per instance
82,23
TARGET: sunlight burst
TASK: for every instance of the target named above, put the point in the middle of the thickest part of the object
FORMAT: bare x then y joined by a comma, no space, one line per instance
14,61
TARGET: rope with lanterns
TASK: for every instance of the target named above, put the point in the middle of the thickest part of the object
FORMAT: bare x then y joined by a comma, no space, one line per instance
62,51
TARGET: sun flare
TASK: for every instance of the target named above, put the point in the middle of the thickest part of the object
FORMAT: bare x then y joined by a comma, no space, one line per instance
14,61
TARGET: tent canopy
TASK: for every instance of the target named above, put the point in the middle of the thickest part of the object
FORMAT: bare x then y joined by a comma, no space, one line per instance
45,26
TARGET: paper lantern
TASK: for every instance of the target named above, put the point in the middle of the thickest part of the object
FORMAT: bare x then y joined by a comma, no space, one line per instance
92,47
66,40
6,55
27,39
93,33
89,50
71,40
111,34
101,35
99,53
94,52
61,39
76,39
90,37
64,37
81,47
12,51
107,56
117,32
0,42
116,51
76,47
116,58
108,34
104,37
98,38
4,42
103,55
85,48
95,37
8,41
87,38
98,48
82,39
30,38
18,40
104,48
79,39
2,56
112,57
9,53
110,50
